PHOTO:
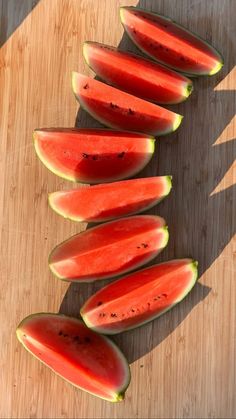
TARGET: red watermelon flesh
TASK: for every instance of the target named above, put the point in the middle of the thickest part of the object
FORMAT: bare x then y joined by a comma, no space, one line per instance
87,360
112,200
139,297
120,110
136,75
110,249
93,155
170,43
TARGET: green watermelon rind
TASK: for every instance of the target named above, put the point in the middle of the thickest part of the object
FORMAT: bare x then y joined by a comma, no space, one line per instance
175,125
119,396
150,152
194,269
186,92
216,69
168,179
164,243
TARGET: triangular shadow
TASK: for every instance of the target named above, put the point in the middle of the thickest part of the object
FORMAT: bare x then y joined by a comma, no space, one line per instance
12,15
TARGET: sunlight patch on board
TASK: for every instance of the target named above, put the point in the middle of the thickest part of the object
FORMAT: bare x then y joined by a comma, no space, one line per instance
228,180
228,132
229,80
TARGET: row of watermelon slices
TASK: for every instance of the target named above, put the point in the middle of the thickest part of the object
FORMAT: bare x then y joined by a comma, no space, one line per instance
74,349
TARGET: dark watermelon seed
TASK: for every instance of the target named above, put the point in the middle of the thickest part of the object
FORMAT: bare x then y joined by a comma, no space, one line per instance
87,339
121,155
60,333
114,106
162,24
164,295
133,310
99,303
131,112
86,86
138,247
113,315
103,314
95,157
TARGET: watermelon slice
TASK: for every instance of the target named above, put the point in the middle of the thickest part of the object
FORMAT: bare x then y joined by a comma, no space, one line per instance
104,202
87,360
120,110
140,297
93,155
136,75
110,249
170,43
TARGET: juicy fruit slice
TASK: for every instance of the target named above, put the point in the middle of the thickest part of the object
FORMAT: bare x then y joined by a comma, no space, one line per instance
140,297
109,249
121,110
93,155
137,75
87,360
112,200
170,43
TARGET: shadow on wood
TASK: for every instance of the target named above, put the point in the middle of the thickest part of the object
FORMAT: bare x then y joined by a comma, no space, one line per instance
201,222
12,15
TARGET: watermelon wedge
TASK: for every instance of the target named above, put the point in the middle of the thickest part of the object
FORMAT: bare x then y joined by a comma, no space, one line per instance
136,75
110,249
120,110
139,297
170,43
104,202
93,155
87,360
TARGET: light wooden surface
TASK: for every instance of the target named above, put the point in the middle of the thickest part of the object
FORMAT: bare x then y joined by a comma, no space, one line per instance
183,365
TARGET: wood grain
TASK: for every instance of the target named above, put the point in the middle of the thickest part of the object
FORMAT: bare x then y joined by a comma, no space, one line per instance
183,365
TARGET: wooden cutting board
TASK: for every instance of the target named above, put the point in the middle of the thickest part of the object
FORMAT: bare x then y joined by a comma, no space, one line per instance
183,365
